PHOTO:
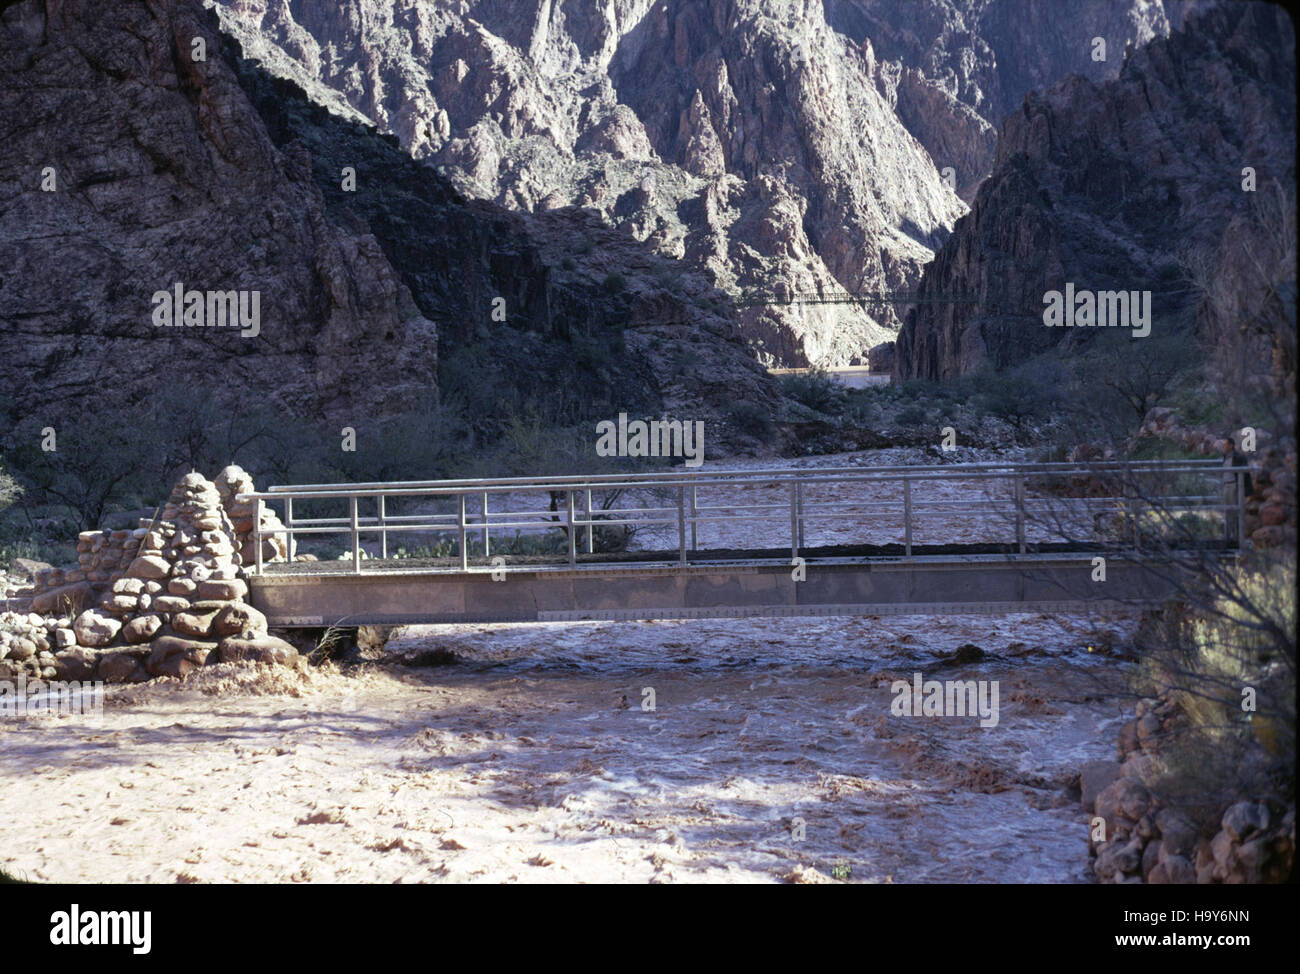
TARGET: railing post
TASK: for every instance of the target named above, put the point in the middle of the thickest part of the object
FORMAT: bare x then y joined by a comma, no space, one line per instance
464,548
798,491
1135,518
591,527
1020,512
573,540
356,537
1241,509
487,552
681,523
907,516
257,533
383,528
292,543
794,519
695,513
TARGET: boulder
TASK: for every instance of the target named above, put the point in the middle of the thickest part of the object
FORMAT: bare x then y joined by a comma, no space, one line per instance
1244,819
142,629
1177,833
1114,859
1148,730
236,618
1132,797
1095,777
149,566
175,656
27,567
128,586
121,668
75,664
1172,869
258,648
193,623
95,629
223,589
1150,857
120,603
21,648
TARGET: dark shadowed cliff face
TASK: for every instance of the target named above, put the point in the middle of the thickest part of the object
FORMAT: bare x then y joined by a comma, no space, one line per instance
211,174
1112,187
163,174
770,144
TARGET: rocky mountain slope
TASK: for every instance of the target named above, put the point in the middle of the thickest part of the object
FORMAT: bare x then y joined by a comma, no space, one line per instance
168,169
161,173
1116,186
781,146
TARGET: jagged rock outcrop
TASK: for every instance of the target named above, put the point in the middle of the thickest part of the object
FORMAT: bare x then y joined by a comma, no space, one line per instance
582,318
784,148
212,174
1110,187
959,67
129,168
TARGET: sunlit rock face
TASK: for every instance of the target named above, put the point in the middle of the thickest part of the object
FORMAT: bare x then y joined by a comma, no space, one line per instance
778,145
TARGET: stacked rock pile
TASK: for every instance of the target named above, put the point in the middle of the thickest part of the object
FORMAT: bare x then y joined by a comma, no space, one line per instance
246,515
102,558
1250,842
176,604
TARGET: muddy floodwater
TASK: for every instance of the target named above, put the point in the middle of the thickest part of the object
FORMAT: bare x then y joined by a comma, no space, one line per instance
771,754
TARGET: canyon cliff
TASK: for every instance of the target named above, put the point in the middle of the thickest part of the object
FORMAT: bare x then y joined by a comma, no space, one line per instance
777,146
1121,185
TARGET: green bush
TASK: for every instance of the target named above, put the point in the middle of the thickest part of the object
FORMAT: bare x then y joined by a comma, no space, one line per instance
10,490
816,390
1243,638
913,415
751,420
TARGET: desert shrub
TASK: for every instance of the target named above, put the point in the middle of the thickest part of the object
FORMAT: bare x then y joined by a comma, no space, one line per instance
751,420
10,489
1206,658
911,415
1122,379
1021,396
816,390
861,411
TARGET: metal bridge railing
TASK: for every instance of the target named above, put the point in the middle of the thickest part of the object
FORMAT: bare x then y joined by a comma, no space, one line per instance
786,505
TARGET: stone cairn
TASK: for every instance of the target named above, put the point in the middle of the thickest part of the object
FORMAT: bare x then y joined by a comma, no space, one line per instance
245,515
160,600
